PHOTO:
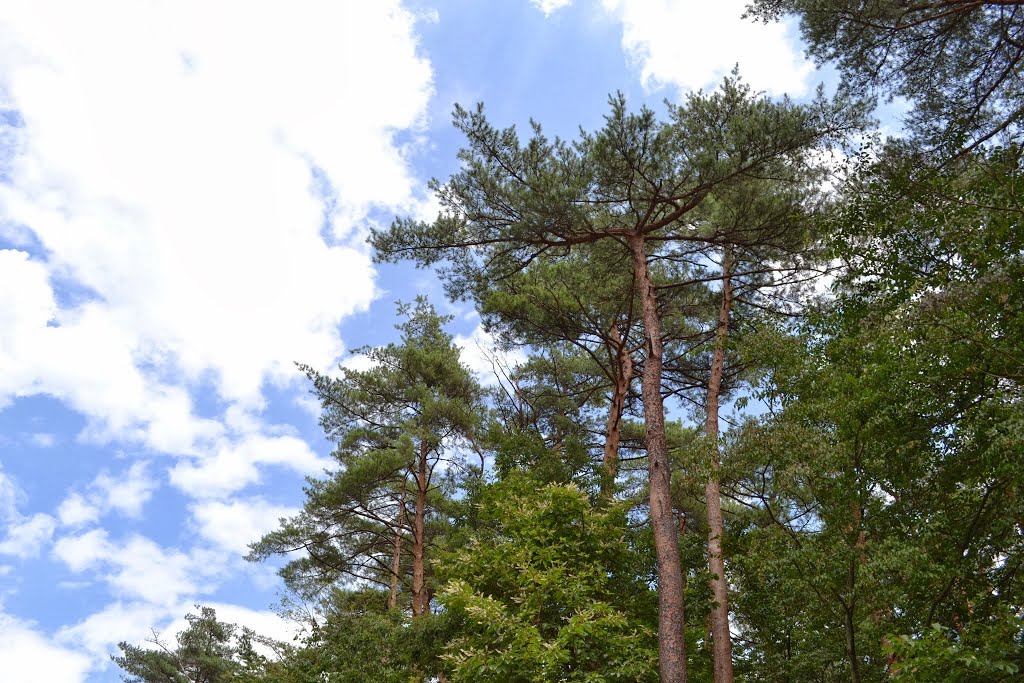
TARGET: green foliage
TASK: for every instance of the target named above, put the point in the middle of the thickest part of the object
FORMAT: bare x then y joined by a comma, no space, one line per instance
416,400
958,62
544,417
987,652
514,202
355,638
208,651
548,590
882,485
878,493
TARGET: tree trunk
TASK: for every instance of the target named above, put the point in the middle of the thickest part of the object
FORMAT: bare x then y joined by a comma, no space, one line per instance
681,528
620,388
396,555
721,638
851,633
420,599
858,554
671,616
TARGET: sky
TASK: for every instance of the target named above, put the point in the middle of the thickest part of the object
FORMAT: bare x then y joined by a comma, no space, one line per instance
185,191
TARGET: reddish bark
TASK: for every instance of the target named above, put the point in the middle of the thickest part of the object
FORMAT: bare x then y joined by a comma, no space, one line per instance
396,555
721,638
420,598
620,388
671,610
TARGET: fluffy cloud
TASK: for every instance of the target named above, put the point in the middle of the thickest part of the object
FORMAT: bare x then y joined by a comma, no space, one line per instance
133,622
27,536
692,44
234,465
182,198
23,536
83,551
264,622
234,525
76,510
153,586
81,355
100,632
21,316
480,353
136,568
28,656
550,6
125,494
10,496
43,440
192,174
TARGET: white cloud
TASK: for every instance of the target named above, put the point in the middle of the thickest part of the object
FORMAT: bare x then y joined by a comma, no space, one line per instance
359,362
43,440
10,496
236,464
137,568
21,316
133,622
28,656
83,551
75,510
145,570
125,494
87,361
23,536
309,404
694,44
234,525
165,167
481,355
264,622
26,536
100,632
548,7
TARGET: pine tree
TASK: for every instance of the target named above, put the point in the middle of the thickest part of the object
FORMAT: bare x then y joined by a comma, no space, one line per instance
634,182
397,426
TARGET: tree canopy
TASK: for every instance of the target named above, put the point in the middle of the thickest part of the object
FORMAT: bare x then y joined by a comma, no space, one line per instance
608,510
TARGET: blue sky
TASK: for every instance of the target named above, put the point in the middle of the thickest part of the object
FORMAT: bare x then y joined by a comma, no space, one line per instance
185,189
